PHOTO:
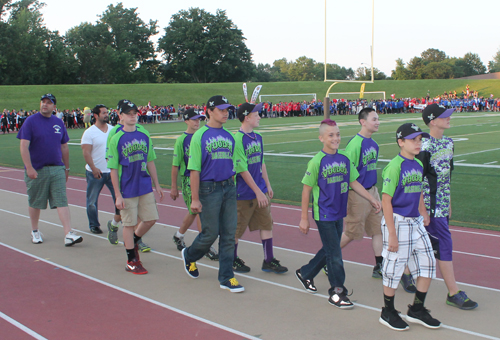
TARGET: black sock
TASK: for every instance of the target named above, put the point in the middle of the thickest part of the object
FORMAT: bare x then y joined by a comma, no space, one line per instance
130,254
379,259
418,303
136,239
389,302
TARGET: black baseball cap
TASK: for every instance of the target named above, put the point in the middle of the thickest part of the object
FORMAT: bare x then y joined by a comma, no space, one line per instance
49,96
434,111
219,102
410,131
246,108
126,106
191,114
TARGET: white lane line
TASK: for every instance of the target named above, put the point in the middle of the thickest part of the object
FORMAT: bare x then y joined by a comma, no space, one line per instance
491,162
234,331
476,152
376,309
474,232
21,327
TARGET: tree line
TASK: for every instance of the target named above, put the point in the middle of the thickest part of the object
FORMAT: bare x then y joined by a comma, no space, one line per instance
197,46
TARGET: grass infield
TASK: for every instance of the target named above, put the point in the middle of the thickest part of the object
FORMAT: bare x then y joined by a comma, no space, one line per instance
291,142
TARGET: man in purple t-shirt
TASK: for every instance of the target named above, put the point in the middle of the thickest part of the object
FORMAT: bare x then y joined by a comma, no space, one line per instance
45,154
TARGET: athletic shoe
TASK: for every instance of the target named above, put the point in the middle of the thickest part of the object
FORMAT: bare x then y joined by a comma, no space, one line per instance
179,242
274,266
239,266
112,233
377,271
72,238
190,267
340,300
408,283
135,267
308,284
36,237
422,317
325,270
143,247
393,320
233,286
95,230
461,300
212,254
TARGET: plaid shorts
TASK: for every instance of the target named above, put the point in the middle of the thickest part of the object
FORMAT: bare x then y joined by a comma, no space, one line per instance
50,185
414,250
186,192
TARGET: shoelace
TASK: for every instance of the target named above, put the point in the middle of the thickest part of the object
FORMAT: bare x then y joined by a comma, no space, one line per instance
233,282
192,267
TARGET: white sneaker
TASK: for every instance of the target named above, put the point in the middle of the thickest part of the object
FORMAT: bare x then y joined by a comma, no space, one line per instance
71,238
36,237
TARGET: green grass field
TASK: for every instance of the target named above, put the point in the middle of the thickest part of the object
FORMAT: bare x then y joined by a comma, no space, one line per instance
73,96
291,142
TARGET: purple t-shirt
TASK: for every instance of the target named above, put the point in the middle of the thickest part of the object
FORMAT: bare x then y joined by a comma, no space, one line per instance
46,136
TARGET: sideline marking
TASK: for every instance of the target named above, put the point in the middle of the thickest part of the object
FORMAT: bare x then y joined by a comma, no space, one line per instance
133,294
21,327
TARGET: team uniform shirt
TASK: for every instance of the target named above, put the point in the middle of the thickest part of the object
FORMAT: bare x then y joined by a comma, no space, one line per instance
115,129
249,156
181,153
329,176
364,154
98,139
129,153
46,135
436,156
402,179
211,153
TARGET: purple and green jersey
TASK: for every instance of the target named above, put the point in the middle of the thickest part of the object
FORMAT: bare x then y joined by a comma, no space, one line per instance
249,156
402,180
436,156
46,135
181,153
115,129
211,153
129,153
329,176
364,154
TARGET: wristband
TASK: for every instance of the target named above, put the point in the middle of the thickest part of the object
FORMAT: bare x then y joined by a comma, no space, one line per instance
67,169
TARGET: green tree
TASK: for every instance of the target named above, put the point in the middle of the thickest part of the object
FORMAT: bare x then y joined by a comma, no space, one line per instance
302,69
473,64
437,70
494,65
203,47
401,72
433,55
364,73
262,73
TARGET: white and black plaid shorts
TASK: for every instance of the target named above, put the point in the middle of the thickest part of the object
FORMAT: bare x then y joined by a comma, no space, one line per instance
414,250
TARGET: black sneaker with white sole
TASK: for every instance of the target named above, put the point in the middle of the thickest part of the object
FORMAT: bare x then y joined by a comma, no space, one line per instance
422,317
307,284
393,320
340,300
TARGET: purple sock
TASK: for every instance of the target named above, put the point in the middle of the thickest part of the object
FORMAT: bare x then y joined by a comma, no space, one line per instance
268,249
235,250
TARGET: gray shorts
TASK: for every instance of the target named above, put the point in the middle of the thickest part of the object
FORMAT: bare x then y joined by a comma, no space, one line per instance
50,185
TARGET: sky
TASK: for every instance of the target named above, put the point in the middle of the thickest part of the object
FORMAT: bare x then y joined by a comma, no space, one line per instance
291,29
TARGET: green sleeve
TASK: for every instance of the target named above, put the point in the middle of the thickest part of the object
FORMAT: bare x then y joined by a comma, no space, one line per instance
239,154
194,162
312,172
113,156
353,149
151,151
262,146
178,151
353,174
390,177
111,134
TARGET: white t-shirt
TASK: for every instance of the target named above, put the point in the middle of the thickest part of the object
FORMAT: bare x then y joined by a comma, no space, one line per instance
98,139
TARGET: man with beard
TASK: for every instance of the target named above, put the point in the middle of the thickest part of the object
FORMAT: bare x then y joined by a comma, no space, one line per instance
94,141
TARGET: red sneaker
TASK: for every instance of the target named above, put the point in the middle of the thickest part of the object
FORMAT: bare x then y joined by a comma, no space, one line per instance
135,267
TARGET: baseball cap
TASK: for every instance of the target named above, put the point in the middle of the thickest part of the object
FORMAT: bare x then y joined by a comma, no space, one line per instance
49,96
246,108
191,114
219,102
126,106
410,131
434,111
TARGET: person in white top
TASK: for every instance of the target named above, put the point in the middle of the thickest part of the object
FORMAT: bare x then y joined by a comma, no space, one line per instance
94,141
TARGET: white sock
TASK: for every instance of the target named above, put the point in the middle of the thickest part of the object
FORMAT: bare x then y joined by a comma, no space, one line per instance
179,235
114,223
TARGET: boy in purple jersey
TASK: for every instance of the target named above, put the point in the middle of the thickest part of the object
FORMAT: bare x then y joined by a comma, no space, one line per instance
45,154
405,240
328,177
253,189
131,160
437,159
213,193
